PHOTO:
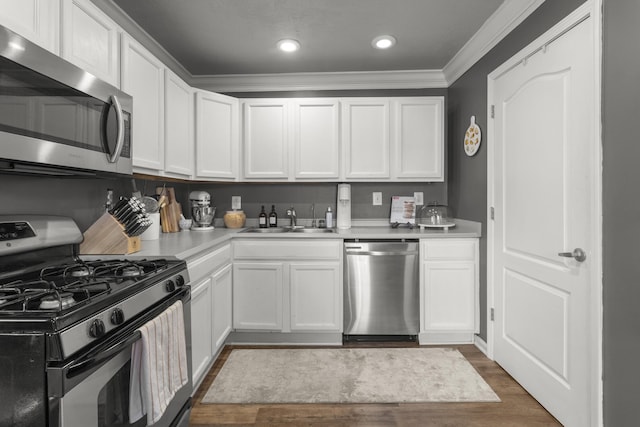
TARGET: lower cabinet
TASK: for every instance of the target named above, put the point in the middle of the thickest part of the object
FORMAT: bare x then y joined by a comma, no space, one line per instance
449,290
287,286
211,307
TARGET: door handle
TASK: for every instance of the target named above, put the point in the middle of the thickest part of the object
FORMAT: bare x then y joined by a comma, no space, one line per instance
577,254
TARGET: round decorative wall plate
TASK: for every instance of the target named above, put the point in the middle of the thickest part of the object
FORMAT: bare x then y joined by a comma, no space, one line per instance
472,138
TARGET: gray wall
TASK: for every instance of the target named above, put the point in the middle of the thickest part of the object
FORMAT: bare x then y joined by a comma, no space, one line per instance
467,176
621,216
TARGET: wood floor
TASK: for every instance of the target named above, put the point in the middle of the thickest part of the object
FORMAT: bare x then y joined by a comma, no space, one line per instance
517,408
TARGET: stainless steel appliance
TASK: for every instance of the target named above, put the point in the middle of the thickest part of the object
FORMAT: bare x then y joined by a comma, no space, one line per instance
381,294
56,117
202,212
67,326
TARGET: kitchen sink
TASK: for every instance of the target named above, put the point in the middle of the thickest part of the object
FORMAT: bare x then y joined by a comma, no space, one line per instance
312,230
288,230
265,230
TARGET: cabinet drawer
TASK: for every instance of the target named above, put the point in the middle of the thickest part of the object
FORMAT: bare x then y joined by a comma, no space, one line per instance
199,267
449,249
287,249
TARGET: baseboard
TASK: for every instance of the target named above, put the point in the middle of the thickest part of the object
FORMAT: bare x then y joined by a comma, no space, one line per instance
431,338
481,345
258,338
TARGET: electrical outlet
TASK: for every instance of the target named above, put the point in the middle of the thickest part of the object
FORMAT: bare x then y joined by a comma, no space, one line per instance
377,198
419,198
236,202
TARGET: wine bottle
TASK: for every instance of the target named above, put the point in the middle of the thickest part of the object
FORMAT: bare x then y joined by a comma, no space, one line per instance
273,217
262,219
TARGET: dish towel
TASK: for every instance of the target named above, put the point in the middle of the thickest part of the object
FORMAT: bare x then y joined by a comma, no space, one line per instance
158,365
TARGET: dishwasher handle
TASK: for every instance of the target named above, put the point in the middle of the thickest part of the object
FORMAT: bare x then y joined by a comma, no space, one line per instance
358,250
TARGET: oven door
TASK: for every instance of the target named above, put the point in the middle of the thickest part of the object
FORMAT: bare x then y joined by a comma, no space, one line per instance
93,390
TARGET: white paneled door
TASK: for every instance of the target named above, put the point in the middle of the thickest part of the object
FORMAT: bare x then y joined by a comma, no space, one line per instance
544,192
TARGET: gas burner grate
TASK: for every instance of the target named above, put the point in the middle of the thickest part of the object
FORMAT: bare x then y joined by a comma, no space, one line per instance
46,295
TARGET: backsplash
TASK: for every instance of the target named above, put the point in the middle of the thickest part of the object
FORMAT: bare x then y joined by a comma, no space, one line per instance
83,198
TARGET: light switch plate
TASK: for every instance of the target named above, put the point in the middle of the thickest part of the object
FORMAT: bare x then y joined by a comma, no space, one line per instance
419,198
377,198
236,202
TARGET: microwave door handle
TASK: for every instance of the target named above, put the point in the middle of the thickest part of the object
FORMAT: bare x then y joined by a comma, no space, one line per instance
113,157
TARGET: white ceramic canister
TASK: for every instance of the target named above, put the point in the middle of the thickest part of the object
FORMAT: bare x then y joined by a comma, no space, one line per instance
153,232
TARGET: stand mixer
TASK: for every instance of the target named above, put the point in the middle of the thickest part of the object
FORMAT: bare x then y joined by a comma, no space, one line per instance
201,211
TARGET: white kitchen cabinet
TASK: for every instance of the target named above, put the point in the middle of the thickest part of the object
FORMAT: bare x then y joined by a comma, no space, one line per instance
35,20
217,136
257,295
178,127
90,40
366,138
222,294
201,328
210,277
449,291
417,142
316,296
287,285
266,139
316,138
143,78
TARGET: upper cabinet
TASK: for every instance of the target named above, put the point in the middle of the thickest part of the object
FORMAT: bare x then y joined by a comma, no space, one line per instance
418,138
266,139
143,78
36,20
316,138
366,138
397,139
90,40
217,136
178,126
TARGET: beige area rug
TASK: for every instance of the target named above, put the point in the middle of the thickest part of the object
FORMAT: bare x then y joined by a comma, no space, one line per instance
380,375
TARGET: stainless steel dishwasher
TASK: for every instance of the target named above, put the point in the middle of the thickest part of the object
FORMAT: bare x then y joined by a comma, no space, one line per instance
381,294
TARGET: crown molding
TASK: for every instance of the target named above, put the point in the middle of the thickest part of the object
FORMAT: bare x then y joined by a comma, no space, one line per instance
504,20
409,79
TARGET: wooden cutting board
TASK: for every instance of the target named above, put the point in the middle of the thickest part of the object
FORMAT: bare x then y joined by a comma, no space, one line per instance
171,212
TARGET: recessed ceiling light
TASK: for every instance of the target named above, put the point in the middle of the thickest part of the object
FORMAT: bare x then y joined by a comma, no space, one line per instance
288,45
383,42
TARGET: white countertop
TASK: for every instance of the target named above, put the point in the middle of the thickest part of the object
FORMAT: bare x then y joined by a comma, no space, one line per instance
185,244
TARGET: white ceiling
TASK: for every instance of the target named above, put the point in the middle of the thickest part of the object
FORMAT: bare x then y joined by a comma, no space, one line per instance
236,38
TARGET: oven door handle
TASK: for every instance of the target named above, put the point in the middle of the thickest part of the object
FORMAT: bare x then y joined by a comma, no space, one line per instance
89,363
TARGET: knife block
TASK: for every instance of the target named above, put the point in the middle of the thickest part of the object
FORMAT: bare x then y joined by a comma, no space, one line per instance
107,236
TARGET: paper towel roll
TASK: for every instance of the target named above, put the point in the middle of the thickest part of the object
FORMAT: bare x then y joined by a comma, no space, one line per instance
153,232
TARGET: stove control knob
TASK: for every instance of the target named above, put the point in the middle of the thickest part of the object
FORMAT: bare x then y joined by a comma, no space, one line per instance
170,286
117,316
97,329
179,280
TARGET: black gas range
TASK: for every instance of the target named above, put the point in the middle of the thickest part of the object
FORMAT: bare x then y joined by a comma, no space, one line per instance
64,319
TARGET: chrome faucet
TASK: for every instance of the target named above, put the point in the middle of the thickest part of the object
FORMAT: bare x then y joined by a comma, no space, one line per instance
291,213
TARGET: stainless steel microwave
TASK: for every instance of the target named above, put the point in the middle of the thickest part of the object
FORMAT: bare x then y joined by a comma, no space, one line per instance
57,117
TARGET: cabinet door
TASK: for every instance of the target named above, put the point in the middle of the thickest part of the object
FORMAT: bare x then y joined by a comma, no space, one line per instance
266,139
36,20
178,119
90,40
201,336
418,138
365,137
316,297
257,296
217,136
449,297
222,306
143,78
316,138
